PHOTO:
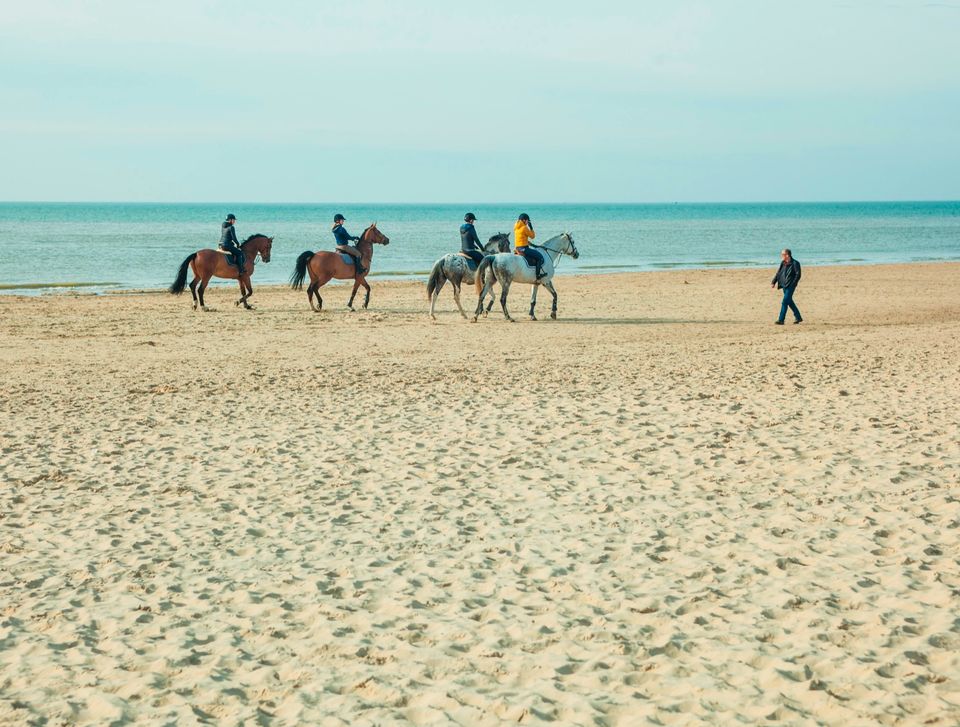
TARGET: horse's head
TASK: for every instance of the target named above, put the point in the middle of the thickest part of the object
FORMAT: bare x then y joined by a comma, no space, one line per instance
500,241
258,244
373,235
569,248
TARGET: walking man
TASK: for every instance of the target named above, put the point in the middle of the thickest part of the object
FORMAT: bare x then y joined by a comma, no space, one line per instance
787,279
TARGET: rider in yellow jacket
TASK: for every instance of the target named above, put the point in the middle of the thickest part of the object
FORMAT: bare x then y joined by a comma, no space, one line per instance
522,234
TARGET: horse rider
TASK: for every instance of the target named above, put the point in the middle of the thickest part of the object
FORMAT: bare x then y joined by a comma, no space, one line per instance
228,243
344,239
522,234
469,242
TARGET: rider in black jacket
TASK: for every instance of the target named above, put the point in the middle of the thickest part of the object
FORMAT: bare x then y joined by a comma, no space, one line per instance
469,242
229,243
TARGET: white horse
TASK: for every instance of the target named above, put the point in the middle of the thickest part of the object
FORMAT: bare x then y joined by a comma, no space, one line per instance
454,268
508,268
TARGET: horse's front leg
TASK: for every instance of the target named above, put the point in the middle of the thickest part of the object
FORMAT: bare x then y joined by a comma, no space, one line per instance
483,294
366,298
243,294
248,294
548,284
356,286
533,301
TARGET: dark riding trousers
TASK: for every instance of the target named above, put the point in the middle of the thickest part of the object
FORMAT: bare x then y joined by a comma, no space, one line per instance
533,256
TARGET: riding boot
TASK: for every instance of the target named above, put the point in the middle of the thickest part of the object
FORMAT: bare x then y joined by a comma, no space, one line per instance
540,273
360,269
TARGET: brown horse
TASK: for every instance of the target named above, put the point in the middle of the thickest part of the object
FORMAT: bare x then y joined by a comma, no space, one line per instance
326,266
213,263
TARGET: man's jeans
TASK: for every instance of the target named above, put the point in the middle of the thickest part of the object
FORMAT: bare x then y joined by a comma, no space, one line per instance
788,303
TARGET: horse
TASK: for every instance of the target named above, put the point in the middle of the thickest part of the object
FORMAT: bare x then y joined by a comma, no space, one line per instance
213,263
454,268
324,266
508,268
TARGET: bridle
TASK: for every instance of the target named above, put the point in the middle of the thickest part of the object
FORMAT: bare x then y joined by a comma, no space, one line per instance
561,253
258,255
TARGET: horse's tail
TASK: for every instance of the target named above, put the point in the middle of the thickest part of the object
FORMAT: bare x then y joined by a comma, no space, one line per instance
181,280
434,282
300,272
482,271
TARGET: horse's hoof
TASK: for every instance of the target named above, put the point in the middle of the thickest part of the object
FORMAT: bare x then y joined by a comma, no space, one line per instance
554,316
473,320
533,318
237,304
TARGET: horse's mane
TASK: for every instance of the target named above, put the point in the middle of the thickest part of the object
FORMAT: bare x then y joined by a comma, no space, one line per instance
255,234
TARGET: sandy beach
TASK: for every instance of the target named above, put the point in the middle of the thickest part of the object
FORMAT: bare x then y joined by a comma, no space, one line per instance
659,509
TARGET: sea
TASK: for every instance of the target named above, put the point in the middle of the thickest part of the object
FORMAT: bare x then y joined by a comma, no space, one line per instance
98,247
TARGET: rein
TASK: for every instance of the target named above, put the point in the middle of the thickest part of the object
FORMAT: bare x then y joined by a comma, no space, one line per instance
560,253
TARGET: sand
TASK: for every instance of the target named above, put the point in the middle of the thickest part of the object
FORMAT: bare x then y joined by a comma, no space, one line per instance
659,509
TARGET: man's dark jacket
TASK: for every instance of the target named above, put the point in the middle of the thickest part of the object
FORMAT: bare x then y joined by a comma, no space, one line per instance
788,275
468,238
228,235
342,236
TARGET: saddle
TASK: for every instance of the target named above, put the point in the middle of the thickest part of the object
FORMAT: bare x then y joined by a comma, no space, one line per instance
470,261
231,257
528,260
348,259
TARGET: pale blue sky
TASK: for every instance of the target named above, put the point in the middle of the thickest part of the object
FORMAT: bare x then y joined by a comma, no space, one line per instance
373,101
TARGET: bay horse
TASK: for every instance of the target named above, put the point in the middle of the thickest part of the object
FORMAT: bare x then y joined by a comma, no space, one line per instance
325,266
209,263
453,268
509,268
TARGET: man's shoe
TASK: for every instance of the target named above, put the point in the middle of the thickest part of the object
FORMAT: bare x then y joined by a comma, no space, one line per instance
799,320
778,323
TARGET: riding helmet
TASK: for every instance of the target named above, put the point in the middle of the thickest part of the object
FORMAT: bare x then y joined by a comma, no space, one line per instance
231,216
469,217
524,216
339,218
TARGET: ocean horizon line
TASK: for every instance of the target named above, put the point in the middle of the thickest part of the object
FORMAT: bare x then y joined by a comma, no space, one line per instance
852,201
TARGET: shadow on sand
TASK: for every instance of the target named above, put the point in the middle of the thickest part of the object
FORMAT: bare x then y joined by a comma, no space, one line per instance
639,321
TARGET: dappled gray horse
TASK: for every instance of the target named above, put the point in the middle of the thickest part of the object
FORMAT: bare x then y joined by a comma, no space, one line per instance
508,268
454,268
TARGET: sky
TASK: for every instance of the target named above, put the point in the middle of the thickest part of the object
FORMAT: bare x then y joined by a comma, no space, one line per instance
376,101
